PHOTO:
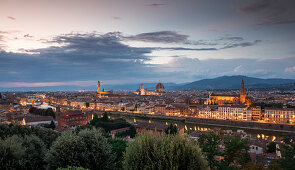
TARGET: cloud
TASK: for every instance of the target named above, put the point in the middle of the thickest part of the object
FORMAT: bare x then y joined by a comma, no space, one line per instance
95,56
242,44
194,68
155,5
28,36
255,7
11,18
290,69
270,12
160,36
78,57
224,42
117,18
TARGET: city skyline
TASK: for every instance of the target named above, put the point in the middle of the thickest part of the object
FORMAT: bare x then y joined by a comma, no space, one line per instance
67,43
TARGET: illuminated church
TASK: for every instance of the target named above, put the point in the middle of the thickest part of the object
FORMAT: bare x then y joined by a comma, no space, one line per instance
220,99
101,93
159,89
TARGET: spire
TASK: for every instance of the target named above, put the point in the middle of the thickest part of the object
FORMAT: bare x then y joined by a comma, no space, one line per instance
242,92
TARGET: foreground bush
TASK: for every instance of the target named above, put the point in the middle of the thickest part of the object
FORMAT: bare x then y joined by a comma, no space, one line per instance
153,151
87,149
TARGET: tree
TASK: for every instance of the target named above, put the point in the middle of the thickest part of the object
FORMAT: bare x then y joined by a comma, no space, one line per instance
72,168
171,129
209,144
271,147
112,124
11,151
236,151
88,149
252,166
274,165
105,117
52,125
118,147
46,135
288,156
22,152
156,151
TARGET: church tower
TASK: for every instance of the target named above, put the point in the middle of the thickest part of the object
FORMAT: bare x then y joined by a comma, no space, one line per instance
98,87
242,93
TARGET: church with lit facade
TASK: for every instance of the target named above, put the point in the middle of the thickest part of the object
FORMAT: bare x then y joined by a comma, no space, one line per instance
159,90
221,99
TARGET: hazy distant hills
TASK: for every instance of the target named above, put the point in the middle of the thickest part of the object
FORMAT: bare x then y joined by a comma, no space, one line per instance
234,82
222,83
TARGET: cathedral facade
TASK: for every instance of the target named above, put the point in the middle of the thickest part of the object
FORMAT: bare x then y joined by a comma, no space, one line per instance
159,89
221,99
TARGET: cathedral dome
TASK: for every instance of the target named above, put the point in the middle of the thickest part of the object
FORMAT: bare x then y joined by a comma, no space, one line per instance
159,87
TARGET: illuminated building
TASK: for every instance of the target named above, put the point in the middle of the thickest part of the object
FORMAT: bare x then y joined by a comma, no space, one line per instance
221,99
235,112
34,100
255,112
280,115
226,112
74,118
101,93
159,87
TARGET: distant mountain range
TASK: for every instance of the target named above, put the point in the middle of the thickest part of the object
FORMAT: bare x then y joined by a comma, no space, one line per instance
219,83
234,82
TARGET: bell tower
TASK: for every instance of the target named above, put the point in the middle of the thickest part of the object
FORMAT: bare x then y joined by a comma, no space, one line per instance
98,87
242,93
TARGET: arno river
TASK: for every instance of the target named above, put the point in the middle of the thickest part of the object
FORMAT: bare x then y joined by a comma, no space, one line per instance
190,127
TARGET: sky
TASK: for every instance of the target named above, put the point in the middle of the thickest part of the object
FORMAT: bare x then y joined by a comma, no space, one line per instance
78,42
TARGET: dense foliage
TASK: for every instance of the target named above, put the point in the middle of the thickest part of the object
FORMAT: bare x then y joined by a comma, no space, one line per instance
46,135
271,147
112,124
171,129
287,150
155,151
87,148
42,112
236,152
209,144
118,147
18,152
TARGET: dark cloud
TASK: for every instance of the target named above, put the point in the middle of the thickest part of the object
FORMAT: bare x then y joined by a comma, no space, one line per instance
242,44
255,7
160,36
185,49
174,37
11,18
231,38
155,5
28,36
77,57
271,12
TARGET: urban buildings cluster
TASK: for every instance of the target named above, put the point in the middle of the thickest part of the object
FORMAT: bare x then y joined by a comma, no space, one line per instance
226,105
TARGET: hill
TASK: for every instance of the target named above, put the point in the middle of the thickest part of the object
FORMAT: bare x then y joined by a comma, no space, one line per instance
234,82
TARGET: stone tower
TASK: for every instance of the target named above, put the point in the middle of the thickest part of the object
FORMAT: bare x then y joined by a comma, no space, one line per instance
98,87
242,93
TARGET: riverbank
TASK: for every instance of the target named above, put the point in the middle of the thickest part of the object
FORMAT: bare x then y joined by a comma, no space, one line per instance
278,128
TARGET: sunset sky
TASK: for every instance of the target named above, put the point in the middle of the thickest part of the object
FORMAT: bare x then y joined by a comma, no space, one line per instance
77,42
